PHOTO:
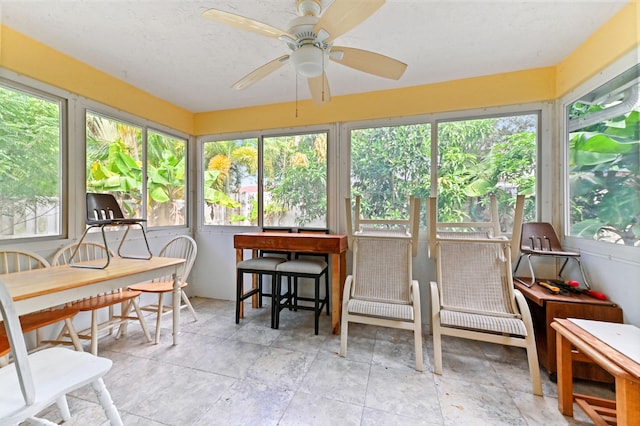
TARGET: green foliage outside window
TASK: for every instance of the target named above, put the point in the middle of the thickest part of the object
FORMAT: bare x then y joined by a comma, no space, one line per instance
30,169
605,177
114,164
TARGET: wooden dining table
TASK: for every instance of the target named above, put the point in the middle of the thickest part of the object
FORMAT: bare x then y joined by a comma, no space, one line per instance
335,245
44,288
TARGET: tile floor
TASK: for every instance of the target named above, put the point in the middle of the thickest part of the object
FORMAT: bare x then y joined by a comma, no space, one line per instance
249,374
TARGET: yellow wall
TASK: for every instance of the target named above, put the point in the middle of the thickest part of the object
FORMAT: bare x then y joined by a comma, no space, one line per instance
29,57
621,34
501,89
616,37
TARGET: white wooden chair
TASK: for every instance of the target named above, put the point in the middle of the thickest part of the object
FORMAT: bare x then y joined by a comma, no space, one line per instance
87,251
183,247
22,260
34,382
474,298
381,290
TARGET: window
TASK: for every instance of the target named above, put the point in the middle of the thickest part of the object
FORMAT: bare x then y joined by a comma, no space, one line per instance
115,159
604,157
30,164
292,169
388,166
475,158
482,157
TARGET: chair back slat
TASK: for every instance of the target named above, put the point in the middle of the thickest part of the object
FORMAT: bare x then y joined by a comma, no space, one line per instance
474,276
86,251
382,268
16,341
182,247
20,260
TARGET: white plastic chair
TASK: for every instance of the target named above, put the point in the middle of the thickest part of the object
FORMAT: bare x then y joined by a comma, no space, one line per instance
33,382
474,298
381,290
183,247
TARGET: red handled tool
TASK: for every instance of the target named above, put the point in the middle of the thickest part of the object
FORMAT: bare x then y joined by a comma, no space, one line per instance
574,287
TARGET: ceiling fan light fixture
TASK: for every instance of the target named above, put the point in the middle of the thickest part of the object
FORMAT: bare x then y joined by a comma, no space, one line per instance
307,60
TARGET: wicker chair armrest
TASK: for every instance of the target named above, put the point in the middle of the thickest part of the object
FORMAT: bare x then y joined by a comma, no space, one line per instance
435,298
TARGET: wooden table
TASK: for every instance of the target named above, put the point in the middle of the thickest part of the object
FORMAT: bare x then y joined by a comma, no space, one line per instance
333,244
545,306
625,410
46,287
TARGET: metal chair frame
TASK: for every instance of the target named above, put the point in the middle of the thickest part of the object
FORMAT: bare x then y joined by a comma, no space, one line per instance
102,211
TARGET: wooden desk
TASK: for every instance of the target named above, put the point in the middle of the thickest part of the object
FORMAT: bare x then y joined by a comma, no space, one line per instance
46,287
625,410
545,306
333,244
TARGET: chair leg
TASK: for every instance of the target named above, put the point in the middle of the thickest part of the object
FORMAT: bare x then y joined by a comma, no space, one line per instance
186,301
239,301
316,306
63,406
327,298
94,332
158,319
344,330
107,403
125,310
141,320
437,349
276,290
534,367
68,325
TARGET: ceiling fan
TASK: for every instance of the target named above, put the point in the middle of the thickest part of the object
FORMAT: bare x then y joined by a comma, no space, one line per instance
310,39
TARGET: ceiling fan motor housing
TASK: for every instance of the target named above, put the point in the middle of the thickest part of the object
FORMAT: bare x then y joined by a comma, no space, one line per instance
309,55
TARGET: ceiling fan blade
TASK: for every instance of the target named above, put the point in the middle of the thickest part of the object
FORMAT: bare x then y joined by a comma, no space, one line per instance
245,23
260,73
319,87
369,62
343,15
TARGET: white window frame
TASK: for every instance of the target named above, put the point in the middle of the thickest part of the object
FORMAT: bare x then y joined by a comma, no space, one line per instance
616,252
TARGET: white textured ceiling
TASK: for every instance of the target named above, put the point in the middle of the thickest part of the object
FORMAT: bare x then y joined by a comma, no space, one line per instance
168,49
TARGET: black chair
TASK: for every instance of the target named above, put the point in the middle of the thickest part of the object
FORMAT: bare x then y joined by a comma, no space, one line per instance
102,211
304,266
265,263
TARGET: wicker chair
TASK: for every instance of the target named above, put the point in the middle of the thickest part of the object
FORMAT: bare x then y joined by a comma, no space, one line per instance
474,299
381,290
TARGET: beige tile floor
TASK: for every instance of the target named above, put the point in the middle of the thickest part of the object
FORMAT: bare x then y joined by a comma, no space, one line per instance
249,374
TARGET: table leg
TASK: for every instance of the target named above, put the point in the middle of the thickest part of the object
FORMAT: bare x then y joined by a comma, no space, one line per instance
627,401
338,276
176,307
565,375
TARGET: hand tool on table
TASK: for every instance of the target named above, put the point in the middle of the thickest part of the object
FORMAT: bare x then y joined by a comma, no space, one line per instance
574,287
552,288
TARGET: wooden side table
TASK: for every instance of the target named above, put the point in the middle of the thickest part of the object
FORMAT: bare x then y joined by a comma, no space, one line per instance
545,306
602,343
